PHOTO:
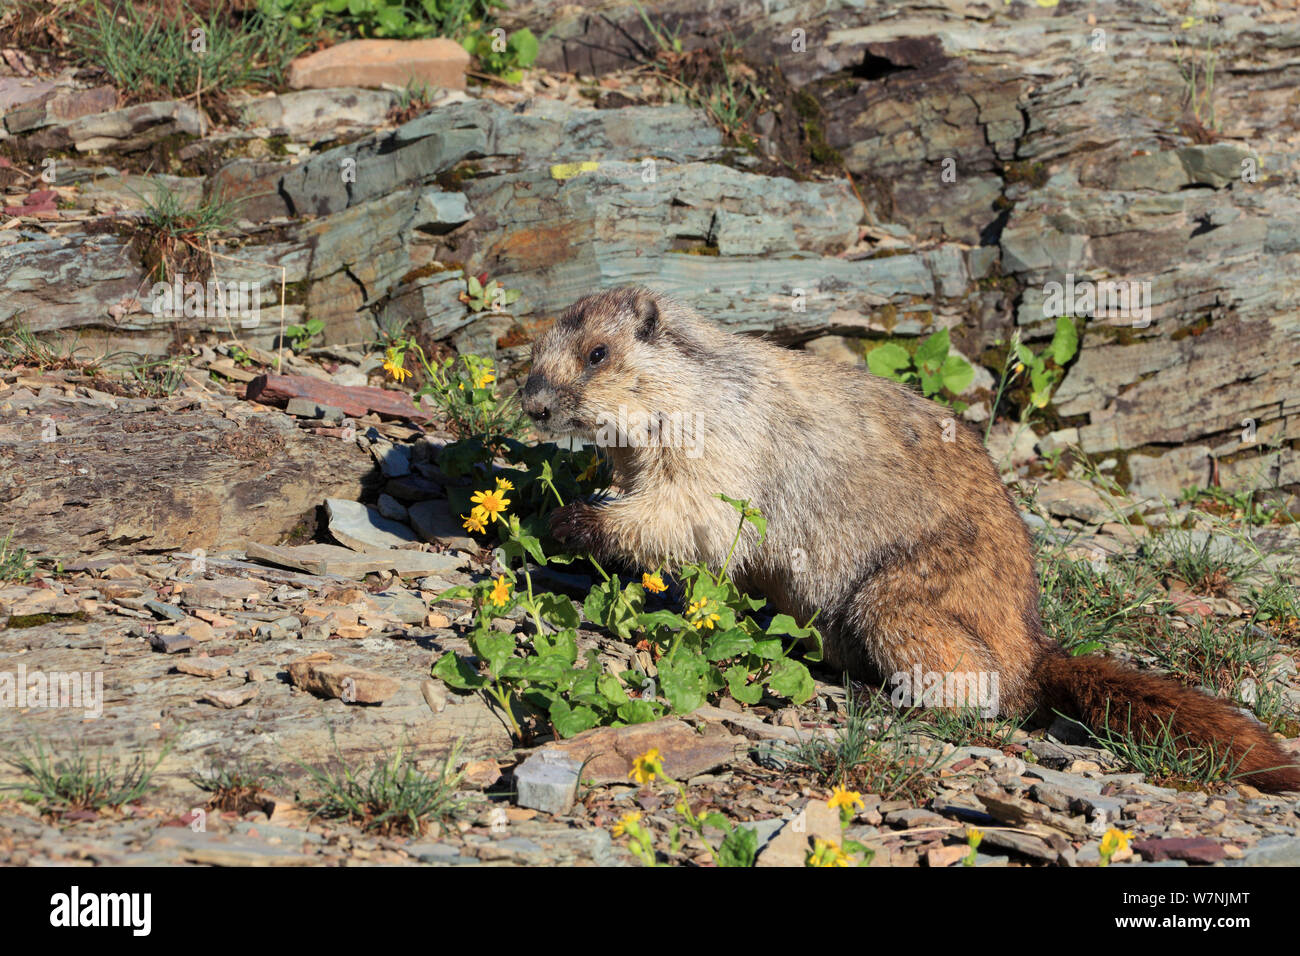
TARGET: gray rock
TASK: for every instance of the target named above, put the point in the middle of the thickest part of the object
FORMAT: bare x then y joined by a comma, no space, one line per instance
547,781
1056,778
363,528
433,522
391,508
1271,851
168,612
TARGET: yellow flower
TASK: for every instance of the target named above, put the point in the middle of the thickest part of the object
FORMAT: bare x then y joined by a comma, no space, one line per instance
483,379
825,853
493,503
647,766
503,484
590,471
1113,842
394,368
974,836
705,620
1020,367
626,822
477,521
653,583
844,797
500,591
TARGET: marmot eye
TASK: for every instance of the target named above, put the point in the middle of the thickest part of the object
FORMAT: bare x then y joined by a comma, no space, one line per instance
597,355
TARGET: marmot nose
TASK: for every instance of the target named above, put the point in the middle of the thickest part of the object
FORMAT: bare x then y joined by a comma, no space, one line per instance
534,399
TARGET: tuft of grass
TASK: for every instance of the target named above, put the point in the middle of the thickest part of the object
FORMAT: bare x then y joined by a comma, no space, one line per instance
1087,604
966,727
1210,655
158,378
875,750
16,565
77,780
236,788
1209,563
169,236
20,346
153,53
392,796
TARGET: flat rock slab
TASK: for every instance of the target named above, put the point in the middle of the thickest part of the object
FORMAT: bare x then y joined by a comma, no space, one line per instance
372,63
352,685
353,400
610,751
345,562
363,528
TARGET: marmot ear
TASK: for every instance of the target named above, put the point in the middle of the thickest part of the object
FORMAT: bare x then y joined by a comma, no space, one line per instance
647,317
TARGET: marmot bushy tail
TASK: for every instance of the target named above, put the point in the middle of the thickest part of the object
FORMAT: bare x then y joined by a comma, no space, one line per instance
884,513
1101,693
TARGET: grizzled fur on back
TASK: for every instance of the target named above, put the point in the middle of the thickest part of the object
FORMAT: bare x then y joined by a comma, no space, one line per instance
882,511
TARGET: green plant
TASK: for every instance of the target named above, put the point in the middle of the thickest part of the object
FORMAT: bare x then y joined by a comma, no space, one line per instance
739,846
666,41
170,236
1207,563
396,19
716,644
236,787
153,52
1042,371
506,57
876,749
1088,603
392,796
1238,505
15,564
494,295
967,726
20,346
157,378
930,367
77,781
463,389
1198,80
300,336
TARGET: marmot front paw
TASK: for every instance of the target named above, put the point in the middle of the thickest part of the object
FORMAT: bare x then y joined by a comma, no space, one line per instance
577,525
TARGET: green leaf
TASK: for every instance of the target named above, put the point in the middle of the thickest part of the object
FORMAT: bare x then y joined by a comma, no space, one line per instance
931,353
455,672
525,46
957,374
638,711
887,360
557,609
791,679
739,847
650,620
737,678
680,681
494,648
1065,342
727,644
611,689
571,720
785,624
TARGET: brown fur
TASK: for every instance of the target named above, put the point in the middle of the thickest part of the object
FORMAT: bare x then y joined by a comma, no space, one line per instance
882,512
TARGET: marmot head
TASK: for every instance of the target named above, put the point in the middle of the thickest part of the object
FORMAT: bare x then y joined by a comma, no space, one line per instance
603,358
